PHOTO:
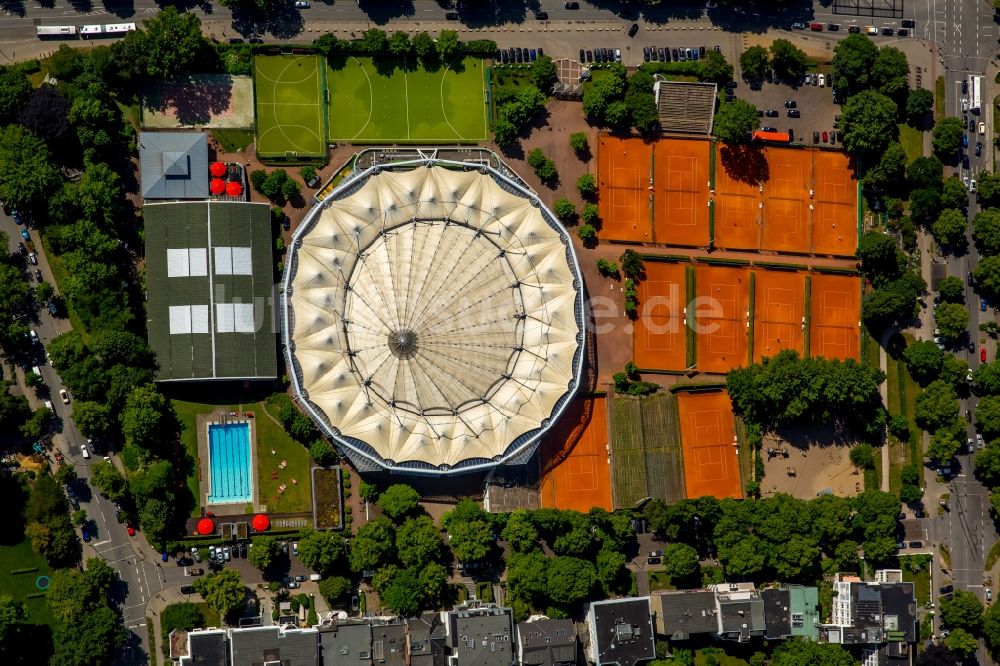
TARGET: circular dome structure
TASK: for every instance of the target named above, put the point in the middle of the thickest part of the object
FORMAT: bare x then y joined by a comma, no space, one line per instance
433,317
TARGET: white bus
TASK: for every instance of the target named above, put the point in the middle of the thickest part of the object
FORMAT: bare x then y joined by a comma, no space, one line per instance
87,31
44,31
118,28
975,92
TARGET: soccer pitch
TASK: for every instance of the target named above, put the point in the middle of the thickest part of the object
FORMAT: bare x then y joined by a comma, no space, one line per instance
289,95
391,99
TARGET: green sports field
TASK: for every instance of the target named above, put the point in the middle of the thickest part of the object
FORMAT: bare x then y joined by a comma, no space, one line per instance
397,100
289,96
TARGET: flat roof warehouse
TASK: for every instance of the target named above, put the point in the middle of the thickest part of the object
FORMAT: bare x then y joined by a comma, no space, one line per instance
210,310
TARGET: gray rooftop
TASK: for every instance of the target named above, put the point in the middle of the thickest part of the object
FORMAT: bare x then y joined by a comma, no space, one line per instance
683,613
422,648
482,636
173,165
741,615
622,631
389,644
347,644
258,646
206,648
209,276
777,612
547,642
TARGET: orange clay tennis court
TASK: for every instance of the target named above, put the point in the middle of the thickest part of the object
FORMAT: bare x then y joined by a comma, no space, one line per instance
708,444
680,202
723,298
835,214
786,200
577,448
659,339
737,212
779,309
623,174
836,312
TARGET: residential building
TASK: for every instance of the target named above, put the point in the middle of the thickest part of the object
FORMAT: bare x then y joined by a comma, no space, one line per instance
620,632
476,634
419,644
389,644
545,642
741,611
792,610
681,614
880,617
346,643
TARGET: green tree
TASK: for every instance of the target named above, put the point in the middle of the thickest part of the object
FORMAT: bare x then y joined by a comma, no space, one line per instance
520,533
147,416
890,171
399,43
962,611
543,72
880,256
27,172
403,593
423,44
586,184
925,205
93,418
632,266
569,580
952,319
373,545
991,628
869,122
962,643
988,416
578,142
335,589
988,189
853,63
607,268
798,651
374,41
954,195
987,378
170,43
755,63
323,452
987,276
265,552
951,289
924,360
14,91
398,500
986,230
891,72
788,61
949,229
919,102
418,542
447,44
322,551
863,456
944,447
936,406
590,215
12,614
925,172
184,615
947,136
504,132
714,67
109,481
612,570
223,591
680,560
564,209
735,122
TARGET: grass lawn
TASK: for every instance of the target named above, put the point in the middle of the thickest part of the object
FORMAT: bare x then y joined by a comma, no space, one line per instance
270,435
290,105
992,557
20,586
659,580
232,140
209,619
902,392
921,583
912,140
391,99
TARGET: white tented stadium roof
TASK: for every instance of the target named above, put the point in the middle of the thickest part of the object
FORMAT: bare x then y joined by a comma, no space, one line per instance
434,316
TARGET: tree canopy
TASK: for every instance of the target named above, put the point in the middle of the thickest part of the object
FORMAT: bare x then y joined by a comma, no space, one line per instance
264,552
321,550
947,136
798,651
949,229
936,406
735,122
924,360
853,63
951,289
869,122
919,102
952,319
787,60
223,591
987,276
755,63
27,172
470,531
398,500
962,611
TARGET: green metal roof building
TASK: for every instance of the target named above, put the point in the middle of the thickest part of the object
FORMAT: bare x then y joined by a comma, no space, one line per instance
210,290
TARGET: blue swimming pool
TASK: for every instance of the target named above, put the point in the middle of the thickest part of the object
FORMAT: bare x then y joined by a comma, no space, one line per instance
230,475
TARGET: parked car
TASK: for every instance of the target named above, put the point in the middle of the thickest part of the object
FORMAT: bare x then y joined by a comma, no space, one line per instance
85,533
654,560
965,161
833,27
533,54
815,136
982,127
965,140
83,447
33,258
771,113
295,547
909,23
243,550
853,29
798,25
989,594
633,29
946,589
645,53
903,32
195,571
542,16
790,104
662,54
768,129
38,276
887,31
793,113
189,589
291,585
195,554
571,5
63,395
226,554
301,4
300,578
25,235
816,27
451,16
979,148
618,55
826,137
822,80
916,544
871,30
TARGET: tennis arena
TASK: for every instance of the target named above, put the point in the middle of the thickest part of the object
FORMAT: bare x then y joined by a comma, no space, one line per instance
708,442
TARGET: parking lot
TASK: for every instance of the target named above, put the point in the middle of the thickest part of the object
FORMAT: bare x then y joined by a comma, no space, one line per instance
814,104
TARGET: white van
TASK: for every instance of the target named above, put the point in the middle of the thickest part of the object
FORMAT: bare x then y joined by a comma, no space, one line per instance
84,452
315,577
37,370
